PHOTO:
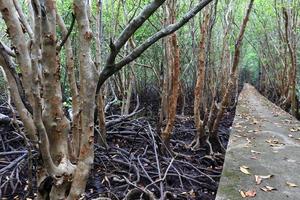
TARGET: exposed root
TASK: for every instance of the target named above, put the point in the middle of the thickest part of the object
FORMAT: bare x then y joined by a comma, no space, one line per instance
133,163
142,165
138,193
216,145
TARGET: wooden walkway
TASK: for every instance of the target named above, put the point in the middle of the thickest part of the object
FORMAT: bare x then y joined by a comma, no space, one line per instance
263,157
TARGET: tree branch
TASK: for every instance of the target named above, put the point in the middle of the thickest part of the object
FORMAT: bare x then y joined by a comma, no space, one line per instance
111,67
23,19
58,48
7,49
162,33
25,115
131,28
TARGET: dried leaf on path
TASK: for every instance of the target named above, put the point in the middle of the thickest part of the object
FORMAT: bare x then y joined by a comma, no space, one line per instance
293,129
256,152
249,193
267,188
290,184
259,178
245,170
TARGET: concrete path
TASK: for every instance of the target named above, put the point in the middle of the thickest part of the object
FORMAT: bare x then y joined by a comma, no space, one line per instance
264,141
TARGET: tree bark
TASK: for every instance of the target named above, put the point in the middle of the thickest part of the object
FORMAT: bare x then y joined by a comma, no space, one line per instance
199,88
88,77
166,134
173,62
290,36
214,138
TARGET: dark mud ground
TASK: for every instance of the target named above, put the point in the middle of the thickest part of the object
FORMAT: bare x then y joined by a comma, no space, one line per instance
130,162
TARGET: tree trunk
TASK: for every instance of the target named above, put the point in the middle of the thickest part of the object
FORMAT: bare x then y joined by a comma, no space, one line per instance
290,37
166,134
199,88
88,78
214,138
101,137
174,68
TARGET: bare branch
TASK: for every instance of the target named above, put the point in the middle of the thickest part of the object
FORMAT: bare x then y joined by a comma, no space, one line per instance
23,19
58,48
5,62
131,28
162,33
111,67
19,43
7,49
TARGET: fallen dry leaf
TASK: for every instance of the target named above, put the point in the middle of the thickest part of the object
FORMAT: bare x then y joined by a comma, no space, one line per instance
244,169
274,142
252,151
238,136
243,194
291,184
238,126
267,176
249,193
293,129
259,178
267,188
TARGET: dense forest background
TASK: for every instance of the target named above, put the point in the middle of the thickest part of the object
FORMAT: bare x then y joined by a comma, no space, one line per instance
79,73
262,50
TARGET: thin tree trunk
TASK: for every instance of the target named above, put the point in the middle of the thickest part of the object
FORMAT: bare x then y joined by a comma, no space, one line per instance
88,78
199,88
214,138
101,138
74,91
293,58
166,134
174,71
